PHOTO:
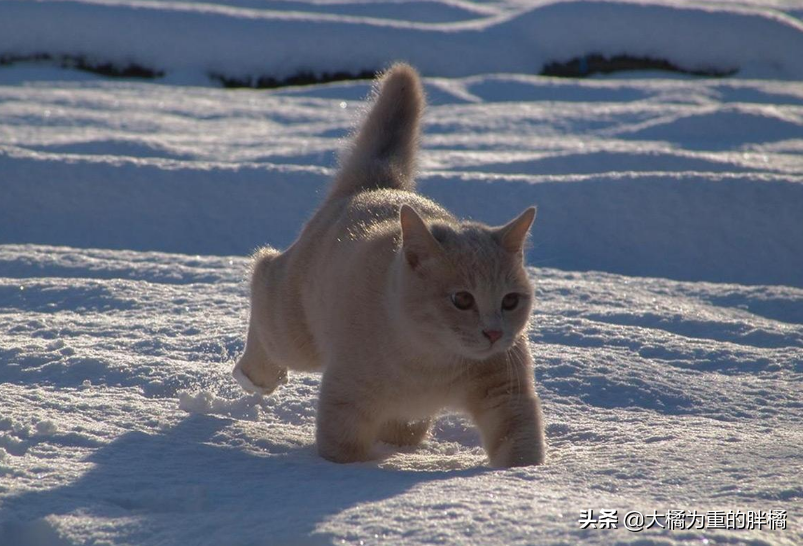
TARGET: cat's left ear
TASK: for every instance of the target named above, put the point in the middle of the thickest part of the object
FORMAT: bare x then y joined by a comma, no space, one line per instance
513,234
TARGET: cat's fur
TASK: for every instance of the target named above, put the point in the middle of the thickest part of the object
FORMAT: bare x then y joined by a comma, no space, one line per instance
365,294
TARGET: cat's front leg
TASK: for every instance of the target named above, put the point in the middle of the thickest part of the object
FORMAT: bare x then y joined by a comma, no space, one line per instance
347,425
404,433
507,411
512,431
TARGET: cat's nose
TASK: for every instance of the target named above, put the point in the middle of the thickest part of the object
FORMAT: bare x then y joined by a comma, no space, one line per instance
493,335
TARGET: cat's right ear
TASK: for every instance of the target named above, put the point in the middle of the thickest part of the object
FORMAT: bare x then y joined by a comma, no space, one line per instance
418,244
513,234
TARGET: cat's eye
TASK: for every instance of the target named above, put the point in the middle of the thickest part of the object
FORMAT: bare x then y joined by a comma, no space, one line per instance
463,300
510,301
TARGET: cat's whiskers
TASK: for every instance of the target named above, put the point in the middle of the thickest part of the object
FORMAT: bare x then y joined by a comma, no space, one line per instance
517,360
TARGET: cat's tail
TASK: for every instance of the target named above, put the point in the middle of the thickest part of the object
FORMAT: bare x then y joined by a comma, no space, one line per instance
382,152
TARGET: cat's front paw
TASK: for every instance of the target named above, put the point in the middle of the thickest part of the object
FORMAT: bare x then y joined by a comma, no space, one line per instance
530,455
401,433
343,452
343,432
529,452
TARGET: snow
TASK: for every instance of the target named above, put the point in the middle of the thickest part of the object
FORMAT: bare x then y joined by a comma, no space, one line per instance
660,394
687,179
667,255
281,39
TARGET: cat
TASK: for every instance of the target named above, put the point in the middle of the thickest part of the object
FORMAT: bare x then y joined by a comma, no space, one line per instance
406,309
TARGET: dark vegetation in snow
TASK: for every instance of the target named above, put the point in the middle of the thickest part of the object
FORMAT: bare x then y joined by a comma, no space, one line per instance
578,67
81,62
581,67
304,77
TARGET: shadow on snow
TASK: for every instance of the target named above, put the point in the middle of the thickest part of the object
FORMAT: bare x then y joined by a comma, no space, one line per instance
162,488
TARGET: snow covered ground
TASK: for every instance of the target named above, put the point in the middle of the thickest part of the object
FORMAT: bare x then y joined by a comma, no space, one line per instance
668,254
122,424
279,38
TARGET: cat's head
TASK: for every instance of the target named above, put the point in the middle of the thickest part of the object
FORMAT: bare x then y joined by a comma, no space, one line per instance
463,285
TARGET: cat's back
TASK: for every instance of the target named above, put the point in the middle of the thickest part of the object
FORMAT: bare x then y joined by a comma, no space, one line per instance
341,260
348,233
368,214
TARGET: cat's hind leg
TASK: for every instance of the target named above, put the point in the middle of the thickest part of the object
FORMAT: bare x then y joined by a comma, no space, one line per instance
402,433
255,371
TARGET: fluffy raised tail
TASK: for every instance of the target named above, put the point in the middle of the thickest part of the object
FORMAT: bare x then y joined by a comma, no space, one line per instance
382,153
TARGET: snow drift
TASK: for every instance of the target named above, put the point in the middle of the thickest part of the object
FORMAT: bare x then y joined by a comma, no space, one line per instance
688,180
245,42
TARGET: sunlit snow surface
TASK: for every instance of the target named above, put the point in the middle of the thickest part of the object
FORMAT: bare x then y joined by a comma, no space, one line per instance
687,179
667,330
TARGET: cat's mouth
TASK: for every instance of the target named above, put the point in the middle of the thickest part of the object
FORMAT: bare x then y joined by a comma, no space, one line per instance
488,350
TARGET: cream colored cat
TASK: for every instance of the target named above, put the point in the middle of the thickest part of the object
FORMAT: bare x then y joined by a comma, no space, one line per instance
406,309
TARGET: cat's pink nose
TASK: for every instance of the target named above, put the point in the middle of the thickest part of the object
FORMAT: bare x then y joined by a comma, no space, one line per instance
493,335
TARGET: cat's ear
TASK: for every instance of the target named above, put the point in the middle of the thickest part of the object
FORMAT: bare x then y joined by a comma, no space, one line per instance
513,234
418,243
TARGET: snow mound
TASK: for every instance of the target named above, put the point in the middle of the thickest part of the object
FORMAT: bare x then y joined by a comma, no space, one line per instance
244,42
721,127
691,180
207,403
